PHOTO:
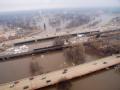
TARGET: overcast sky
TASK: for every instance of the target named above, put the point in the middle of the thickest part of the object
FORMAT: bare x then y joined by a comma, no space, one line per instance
13,5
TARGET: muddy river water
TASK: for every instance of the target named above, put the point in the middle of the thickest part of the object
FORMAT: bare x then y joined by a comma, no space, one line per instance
20,68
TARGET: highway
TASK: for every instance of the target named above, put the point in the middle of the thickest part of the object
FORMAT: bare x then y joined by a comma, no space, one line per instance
45,36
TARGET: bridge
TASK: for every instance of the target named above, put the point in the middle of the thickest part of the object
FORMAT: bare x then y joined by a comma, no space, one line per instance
54,77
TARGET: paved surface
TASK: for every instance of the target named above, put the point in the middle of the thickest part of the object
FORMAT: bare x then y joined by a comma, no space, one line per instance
51,78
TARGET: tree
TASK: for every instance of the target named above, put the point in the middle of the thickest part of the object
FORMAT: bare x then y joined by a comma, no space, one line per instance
75,54
35,68
61,40
58,41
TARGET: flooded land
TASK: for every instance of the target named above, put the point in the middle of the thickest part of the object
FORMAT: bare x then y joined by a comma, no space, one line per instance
38,42
19,68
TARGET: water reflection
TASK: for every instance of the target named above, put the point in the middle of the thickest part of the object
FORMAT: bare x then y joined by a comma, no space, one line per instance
64,85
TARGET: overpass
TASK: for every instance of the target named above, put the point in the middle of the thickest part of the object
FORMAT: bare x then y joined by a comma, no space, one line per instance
54,77
48,36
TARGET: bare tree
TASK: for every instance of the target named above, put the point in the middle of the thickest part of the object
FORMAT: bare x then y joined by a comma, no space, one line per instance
35,68
75,54
61,40
58,41
105,46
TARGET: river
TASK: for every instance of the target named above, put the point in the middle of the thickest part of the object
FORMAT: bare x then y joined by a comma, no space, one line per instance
19,68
